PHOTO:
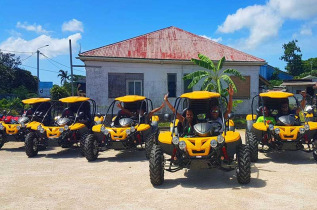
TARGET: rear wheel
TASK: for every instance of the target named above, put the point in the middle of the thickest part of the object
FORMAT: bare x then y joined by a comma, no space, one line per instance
31,145
244,165
156,165
91,147
253,146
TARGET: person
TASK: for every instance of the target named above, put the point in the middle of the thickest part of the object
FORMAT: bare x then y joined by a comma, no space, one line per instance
285,110
268,119
139,112
185,125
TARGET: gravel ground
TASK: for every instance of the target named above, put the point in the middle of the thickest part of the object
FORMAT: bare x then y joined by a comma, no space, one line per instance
61,179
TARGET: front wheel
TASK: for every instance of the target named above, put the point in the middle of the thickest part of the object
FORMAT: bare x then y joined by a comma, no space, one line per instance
253,146
1,140
315,154
156,165
244,165
31,145
150,140
91,147
82,142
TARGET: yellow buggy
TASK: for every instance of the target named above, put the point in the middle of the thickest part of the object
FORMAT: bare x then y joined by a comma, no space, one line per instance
124,131
290,131
70,122
14,128
211,145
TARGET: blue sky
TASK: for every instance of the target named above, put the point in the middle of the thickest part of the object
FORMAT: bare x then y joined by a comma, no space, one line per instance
259,28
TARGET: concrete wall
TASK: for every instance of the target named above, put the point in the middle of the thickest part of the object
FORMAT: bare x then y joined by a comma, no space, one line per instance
155,81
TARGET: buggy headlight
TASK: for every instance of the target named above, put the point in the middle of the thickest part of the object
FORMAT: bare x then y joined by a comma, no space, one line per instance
182,145
220,139
277,130
39,127
306,127
18,127
132,129
175,140
102,128
22,125
128,131
1,127
302,130
271,127
66,127
61,130
106,131
213,143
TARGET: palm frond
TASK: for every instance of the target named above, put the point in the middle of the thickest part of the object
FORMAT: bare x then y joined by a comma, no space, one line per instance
228,80
221,62
210,87
205,83
206,59
196,77
234,72
203,64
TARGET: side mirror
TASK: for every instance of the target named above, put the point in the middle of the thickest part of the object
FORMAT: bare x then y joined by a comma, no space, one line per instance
166,117
231,115
309,109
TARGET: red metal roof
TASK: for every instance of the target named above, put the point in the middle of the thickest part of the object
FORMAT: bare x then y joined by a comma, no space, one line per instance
169,43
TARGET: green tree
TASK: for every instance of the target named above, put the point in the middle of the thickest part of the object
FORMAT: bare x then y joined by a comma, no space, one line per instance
64,76
214,78
293,58
58,92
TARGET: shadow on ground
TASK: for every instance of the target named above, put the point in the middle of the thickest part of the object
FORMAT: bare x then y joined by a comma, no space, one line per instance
205,179
130,155
288,157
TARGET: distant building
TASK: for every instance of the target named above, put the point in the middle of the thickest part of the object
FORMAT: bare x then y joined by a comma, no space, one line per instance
155,63
266,71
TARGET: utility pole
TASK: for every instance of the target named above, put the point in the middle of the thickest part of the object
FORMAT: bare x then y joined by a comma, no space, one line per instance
38,72
38,68
71,66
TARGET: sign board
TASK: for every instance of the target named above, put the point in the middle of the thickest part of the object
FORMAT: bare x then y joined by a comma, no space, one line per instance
45,88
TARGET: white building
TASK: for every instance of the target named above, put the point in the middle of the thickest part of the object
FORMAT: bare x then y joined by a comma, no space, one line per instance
154,64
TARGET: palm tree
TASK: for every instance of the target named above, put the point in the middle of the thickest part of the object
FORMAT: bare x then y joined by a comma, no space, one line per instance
213,76
64,76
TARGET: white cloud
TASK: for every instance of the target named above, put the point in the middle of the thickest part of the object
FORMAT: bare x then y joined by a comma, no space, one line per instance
56,46
219,39
36,28
264,21
73,25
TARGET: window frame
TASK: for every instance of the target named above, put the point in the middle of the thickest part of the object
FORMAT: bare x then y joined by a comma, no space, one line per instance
134,81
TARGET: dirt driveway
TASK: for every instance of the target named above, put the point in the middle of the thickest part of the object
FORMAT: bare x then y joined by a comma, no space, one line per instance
61,179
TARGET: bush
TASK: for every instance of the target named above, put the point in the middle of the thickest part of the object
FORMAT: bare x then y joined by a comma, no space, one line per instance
58,92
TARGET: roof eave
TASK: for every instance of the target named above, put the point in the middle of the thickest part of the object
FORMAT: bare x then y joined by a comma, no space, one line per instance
162,61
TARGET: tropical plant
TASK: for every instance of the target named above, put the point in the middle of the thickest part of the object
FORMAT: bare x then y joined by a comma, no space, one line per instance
293,58
214,77
58,92
64,76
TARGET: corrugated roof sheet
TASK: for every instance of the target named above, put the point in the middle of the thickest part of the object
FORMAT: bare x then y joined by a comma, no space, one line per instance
169,43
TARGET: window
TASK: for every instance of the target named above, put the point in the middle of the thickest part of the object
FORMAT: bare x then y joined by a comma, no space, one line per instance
171,84
243,87
186,83
134,87
120,84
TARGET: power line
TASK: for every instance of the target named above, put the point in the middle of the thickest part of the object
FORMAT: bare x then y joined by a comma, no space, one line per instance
40,69
15,51
27,57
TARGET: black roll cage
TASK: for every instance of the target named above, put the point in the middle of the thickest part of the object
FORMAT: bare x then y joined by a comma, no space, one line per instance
177,103
262,104
146,100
